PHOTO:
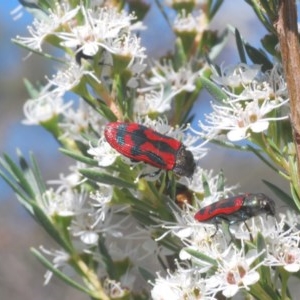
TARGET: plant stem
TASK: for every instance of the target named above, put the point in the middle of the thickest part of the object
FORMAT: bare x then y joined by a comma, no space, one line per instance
287,31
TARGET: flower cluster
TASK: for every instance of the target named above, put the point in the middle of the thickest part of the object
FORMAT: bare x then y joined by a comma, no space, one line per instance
231,269
253,100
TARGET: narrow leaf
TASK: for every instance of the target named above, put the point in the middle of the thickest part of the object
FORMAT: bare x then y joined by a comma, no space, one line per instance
214,8
37,174
43,219
220,182
46,55
261,245
265,272
16,188
29,176
201,256
58,273
205,186
79,157
240,46
100,176
146,275
213,89
282,195
258,57
18,175
106,258
218,47
105,111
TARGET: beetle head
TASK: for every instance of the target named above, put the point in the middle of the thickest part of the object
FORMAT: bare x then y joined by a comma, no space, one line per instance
185,164
263,204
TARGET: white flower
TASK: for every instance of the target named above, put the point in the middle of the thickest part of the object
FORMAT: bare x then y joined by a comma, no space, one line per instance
128,46
195,236
100,27
254,100
185,283
48,24
245,83
103,153
101,200
239,120
234,273
67,79
47,106
74,122
174,81
202,179
83,227
236,76
69,181
63,203
283,247
153,101
188,23
87,228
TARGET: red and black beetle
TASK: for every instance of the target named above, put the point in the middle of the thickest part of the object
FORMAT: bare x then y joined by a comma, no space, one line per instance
141,143
236,209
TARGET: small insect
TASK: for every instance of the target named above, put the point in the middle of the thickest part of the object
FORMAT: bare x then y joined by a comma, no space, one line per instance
141,143
183,196
236,209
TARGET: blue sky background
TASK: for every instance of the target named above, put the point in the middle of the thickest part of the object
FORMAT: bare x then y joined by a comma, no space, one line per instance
13,70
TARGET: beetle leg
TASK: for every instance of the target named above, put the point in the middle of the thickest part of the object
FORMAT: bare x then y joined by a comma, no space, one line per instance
251,237
217,229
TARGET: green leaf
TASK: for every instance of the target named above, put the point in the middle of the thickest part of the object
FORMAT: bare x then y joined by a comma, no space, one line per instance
106,258
282,195
105,111
265,272
256,6
18,175
148,276
261,245
58,273
213,89
229,145
221,181
219,45
295,197
269,42
202,257
31,90
36,183
46,223
46,55
258,57
214,7
37,174
100,176
22,196
240,46
205,186
79,157
263,291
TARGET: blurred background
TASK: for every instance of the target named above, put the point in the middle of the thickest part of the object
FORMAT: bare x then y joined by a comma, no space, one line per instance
21,276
